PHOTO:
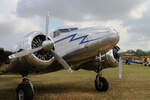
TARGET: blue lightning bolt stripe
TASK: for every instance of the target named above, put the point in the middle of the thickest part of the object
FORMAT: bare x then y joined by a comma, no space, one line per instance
83,39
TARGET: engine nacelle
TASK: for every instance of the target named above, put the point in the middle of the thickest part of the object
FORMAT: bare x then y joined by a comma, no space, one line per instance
42,58
109,60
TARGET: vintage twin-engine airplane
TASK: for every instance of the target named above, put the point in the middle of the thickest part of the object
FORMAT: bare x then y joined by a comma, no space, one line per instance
92,48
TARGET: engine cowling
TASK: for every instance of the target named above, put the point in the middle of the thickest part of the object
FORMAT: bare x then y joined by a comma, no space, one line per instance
111,58
42,57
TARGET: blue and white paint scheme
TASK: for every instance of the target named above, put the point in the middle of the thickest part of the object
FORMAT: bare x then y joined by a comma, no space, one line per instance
86,38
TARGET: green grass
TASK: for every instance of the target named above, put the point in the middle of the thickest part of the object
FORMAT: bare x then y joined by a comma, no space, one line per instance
79,85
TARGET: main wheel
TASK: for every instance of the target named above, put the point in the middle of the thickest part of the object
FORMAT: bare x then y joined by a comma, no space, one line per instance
24,92
101,84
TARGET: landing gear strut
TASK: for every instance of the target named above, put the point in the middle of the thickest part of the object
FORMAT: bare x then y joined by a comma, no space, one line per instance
25,90
101,83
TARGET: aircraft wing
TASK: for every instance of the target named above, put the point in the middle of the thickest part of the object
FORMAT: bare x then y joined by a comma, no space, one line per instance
4,54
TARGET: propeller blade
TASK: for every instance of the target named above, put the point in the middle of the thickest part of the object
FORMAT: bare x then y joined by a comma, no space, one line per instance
61,61
24,53
47,25
120,67
46,45
118,53
57,57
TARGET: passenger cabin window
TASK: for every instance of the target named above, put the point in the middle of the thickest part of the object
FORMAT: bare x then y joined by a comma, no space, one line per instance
59,31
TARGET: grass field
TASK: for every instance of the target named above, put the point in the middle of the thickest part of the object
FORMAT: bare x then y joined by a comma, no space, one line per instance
79,85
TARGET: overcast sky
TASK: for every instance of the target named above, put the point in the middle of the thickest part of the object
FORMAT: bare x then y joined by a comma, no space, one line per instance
130,17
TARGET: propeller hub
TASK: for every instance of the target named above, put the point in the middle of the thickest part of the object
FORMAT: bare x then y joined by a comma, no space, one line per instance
47,44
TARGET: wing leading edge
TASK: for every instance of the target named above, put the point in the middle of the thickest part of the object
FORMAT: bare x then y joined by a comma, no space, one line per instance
4,56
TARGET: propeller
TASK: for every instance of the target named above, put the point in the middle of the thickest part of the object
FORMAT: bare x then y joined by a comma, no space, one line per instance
61,61
47,25
47,45
24,53
56,56
120,67
118,53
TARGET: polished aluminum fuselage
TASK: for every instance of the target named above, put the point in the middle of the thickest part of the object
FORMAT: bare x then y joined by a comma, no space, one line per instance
76,47
85,43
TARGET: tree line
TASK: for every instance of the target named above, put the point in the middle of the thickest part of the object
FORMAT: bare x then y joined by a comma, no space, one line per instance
138,52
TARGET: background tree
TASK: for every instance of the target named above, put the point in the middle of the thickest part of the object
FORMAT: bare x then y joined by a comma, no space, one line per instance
138,52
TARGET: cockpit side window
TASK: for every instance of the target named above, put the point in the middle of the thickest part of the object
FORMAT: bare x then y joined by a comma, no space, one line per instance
59,31
56,33
63,30
72,29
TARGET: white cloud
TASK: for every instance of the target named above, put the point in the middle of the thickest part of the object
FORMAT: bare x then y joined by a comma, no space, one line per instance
11,25
139,11
130,17
78,10
8,6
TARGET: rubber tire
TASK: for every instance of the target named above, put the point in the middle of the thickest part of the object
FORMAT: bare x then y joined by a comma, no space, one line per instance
28,92
104,86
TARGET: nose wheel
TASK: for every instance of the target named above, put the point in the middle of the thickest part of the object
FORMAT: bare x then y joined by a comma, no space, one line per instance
25,90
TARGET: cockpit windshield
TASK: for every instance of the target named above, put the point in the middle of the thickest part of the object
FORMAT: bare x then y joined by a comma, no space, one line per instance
65,30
